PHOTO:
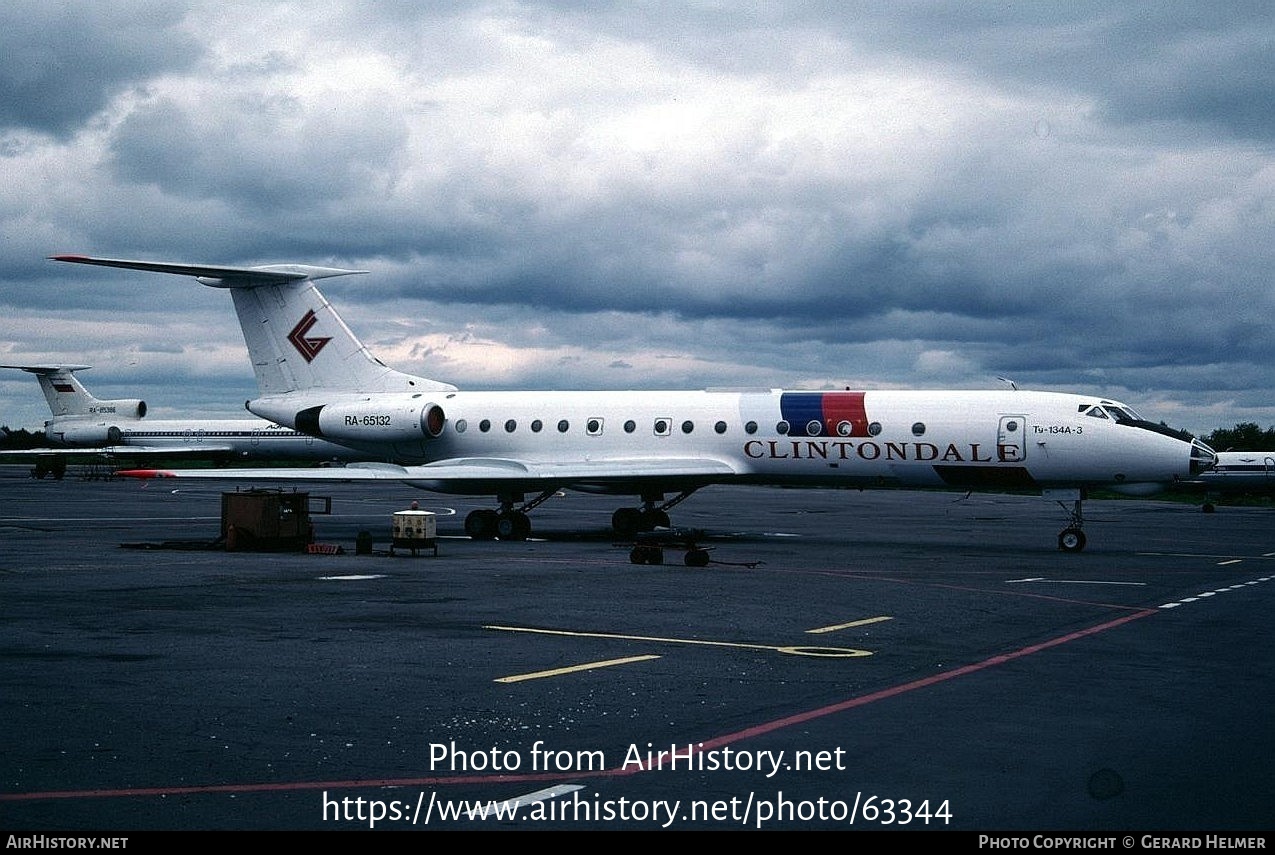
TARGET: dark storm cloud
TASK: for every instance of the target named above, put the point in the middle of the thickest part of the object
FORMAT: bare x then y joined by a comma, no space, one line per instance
65,60
1180,62
262,155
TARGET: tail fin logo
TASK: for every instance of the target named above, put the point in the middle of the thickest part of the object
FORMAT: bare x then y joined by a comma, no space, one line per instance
308,347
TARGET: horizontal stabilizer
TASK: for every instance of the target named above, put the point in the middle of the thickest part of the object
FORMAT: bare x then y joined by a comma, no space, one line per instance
48,369
221,276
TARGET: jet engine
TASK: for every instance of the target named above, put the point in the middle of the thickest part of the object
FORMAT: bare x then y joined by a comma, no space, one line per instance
83,436
372,421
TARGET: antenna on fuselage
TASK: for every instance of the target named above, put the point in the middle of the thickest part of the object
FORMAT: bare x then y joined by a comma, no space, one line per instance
1011,383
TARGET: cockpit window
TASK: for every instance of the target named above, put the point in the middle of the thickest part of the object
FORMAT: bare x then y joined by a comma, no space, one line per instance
1122,416
1097,412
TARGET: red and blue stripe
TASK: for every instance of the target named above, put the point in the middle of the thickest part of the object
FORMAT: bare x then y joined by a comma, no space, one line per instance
802,409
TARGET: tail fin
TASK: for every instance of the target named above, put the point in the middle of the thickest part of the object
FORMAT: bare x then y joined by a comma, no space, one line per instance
295,339
68,397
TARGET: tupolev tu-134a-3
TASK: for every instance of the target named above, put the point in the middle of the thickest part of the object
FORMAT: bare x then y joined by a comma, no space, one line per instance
523,447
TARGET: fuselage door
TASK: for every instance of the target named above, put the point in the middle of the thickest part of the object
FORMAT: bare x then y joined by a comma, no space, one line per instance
1011,439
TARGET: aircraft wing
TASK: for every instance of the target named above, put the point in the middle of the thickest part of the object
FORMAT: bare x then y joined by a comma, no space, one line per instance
119,451
479,474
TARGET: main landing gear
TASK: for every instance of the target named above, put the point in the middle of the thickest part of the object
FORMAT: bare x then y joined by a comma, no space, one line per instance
1072,538
629,521
512,522
508,523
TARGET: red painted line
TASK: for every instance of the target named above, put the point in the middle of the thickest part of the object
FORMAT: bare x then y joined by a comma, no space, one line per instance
965,670
705,745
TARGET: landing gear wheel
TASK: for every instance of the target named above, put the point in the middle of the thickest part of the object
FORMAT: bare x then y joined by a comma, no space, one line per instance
696,558
1071,540
646,555
514,525
653,519
481,524
626,522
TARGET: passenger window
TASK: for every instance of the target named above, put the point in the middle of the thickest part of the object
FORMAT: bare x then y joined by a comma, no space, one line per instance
918,429
662,427
461,426
688,426
484,425
593,427
564,426
750,428
814,427
536,426
630,426
511,426
874,429
720,427
781,428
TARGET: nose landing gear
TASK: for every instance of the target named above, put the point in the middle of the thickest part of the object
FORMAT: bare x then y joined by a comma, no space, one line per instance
1072,538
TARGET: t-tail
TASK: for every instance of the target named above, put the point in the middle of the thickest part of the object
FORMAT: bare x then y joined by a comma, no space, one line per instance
67,396
297,342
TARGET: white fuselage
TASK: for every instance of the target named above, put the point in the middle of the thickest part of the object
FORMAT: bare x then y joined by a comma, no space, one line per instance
878,438
245,439
1241,470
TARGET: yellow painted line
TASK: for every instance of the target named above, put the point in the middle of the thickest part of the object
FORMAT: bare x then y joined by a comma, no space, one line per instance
1232,561
829,652
557,672
852,623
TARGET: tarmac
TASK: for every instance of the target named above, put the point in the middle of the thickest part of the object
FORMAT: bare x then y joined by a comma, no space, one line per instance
880,660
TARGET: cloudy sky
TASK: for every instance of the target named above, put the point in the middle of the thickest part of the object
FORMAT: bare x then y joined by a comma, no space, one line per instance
1077,196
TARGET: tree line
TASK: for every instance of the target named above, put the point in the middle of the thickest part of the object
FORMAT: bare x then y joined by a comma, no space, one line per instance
1246,436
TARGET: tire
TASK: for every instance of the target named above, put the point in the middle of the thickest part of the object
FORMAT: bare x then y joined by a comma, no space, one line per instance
481,524
696,558
626,522
651,520
646,555
514,525
1071,540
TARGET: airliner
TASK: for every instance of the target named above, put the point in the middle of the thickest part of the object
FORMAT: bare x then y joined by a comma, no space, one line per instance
84,423
1241,470
1236,472
524,447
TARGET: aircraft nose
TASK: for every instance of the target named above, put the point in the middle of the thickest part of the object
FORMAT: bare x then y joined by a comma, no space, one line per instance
1202,457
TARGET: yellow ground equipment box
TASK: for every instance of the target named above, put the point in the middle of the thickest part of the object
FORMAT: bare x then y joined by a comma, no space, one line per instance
414,530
